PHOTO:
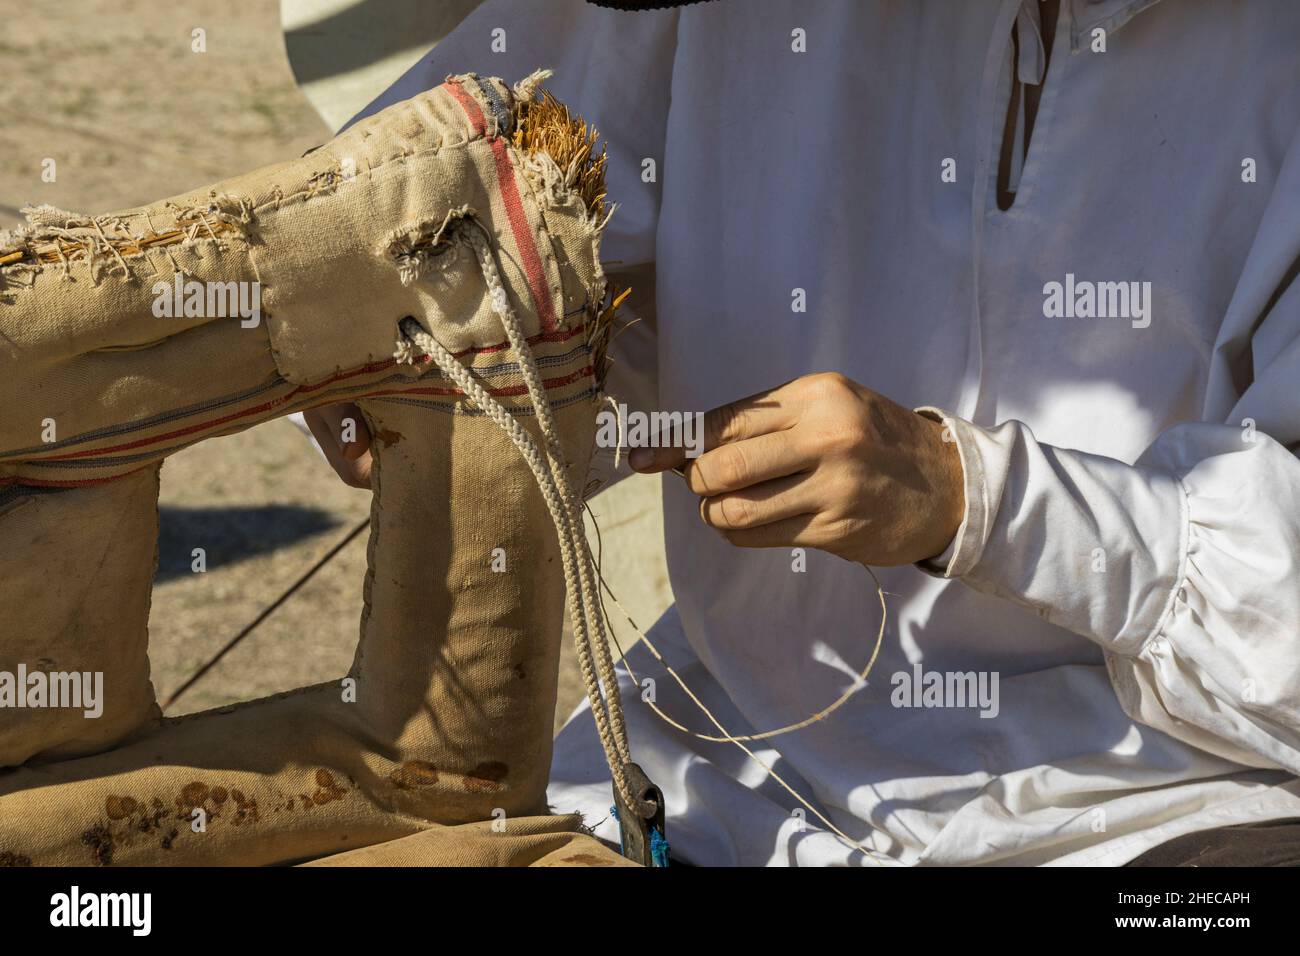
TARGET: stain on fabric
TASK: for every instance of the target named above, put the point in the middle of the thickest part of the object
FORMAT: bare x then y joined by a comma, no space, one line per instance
245,809
414,774
486,777
326,789
194,794
119,808
100,841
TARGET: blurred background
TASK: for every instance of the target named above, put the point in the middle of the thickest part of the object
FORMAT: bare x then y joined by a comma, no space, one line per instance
114,92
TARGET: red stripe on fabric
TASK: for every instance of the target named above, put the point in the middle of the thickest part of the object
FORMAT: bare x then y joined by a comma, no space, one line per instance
469,105
179,433
532,261
559,335
287,399
534,274
555,335
506,392
56,483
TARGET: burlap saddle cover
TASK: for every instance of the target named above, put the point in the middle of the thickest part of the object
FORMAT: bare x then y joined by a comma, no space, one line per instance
126,337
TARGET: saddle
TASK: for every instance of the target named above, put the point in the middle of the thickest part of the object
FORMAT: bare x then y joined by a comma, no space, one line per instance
437,264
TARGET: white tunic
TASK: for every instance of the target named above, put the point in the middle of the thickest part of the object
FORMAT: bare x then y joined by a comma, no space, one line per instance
1128,568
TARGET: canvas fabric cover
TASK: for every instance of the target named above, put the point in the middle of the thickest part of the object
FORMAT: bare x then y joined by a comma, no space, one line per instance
543,841
456,668
76,569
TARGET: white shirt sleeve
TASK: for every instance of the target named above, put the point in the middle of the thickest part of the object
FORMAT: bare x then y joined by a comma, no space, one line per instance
1184,566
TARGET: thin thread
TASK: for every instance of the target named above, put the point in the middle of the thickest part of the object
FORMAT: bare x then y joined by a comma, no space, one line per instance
822,714
618,442
730,738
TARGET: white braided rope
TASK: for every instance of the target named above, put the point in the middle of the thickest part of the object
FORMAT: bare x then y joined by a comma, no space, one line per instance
597,639
458,373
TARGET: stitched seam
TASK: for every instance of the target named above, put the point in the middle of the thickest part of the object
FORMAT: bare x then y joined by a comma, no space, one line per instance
304,195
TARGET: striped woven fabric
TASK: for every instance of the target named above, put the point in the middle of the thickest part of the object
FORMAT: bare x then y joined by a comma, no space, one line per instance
82,348
564,357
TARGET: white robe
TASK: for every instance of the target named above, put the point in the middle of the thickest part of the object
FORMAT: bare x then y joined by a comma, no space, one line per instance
1128,564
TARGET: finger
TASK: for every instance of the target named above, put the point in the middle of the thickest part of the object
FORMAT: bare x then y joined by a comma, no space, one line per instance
759,414
354,436
325,432
762,504
796,531
746,463
343,425
359,471
325,428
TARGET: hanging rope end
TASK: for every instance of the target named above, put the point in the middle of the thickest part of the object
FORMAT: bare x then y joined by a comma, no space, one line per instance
642,835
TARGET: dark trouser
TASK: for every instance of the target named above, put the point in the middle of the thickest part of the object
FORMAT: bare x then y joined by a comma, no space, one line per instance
1274,843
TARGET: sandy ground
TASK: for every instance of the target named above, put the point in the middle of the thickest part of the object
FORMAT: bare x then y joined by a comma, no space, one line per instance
113,93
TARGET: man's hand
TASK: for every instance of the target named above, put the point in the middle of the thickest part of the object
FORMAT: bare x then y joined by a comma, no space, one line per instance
343,436
823,462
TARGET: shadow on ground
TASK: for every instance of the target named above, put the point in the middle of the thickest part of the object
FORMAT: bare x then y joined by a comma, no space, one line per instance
233,534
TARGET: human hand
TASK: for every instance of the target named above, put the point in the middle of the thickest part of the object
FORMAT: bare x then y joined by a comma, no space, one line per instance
341,432
827,463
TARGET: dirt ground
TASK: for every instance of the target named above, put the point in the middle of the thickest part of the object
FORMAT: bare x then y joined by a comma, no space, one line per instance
113,93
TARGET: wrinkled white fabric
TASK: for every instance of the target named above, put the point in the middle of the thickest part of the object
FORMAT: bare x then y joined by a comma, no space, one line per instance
1128,564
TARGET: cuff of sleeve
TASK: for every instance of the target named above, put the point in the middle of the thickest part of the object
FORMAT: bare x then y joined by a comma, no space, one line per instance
1086,542
982,496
